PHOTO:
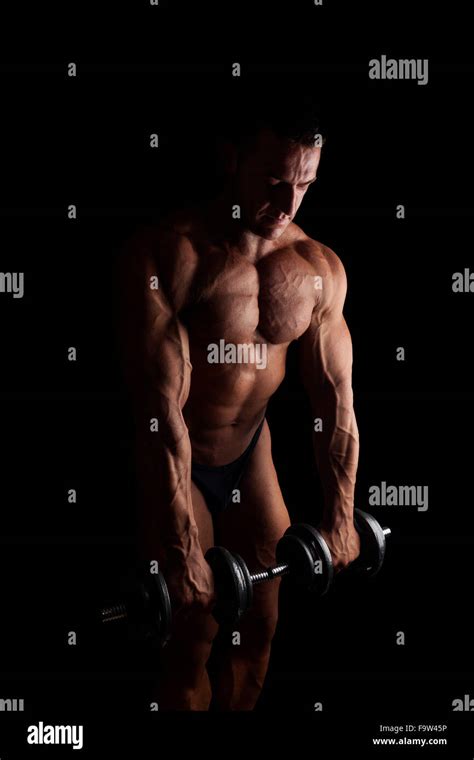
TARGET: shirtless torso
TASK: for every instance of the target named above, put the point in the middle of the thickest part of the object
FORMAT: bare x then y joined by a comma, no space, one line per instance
233,300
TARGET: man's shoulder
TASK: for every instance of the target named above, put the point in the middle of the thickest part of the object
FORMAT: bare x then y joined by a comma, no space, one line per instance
319,255
169,236
326,264
164,249
165,246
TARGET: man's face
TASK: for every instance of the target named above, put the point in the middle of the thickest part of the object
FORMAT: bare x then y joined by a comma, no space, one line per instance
271,181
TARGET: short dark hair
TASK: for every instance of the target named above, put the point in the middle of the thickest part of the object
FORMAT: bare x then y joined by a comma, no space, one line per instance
289,110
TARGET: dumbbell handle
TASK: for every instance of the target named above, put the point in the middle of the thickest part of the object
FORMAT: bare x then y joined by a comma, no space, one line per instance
114,614
270,572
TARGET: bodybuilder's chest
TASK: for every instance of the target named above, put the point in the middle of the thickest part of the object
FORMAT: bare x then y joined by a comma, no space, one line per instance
273,300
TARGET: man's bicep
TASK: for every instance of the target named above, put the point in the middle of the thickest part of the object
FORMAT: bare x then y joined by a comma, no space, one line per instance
326,346
326,355
154,342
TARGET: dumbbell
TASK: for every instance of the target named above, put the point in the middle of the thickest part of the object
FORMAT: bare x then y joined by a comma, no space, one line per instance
145,608
302,553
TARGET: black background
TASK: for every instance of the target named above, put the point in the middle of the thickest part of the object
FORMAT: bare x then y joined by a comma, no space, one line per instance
67,425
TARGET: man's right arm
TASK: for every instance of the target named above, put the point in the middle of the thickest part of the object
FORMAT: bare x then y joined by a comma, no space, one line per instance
155,353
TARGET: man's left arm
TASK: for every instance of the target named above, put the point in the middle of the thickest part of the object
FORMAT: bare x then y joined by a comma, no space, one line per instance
326,368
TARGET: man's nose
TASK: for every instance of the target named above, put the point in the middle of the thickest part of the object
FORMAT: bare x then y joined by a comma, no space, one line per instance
287,201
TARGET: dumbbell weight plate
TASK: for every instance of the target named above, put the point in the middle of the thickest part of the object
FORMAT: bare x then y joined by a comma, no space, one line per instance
160,597
232,585
248,585
302,546
149,608
373,544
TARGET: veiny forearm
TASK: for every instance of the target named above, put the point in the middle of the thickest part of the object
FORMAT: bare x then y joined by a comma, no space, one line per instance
167,526
337,452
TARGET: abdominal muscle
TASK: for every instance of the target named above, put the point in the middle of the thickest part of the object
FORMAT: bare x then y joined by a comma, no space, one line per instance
226,404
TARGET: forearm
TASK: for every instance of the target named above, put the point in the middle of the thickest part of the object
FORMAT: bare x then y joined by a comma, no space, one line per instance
336,449
167,528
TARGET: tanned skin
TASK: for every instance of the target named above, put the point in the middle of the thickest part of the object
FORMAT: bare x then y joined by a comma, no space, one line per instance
247,280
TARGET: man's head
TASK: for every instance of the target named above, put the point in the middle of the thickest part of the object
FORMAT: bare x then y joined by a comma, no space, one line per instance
271,159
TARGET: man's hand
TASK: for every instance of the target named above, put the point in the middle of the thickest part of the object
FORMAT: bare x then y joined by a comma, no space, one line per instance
191,584
343,541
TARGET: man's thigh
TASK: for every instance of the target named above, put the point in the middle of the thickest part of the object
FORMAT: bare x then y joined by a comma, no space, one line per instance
253,527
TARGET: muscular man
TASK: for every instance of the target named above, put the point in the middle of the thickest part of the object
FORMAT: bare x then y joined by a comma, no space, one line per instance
195,288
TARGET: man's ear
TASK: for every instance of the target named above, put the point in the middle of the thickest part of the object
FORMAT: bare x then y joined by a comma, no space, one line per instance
227,156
